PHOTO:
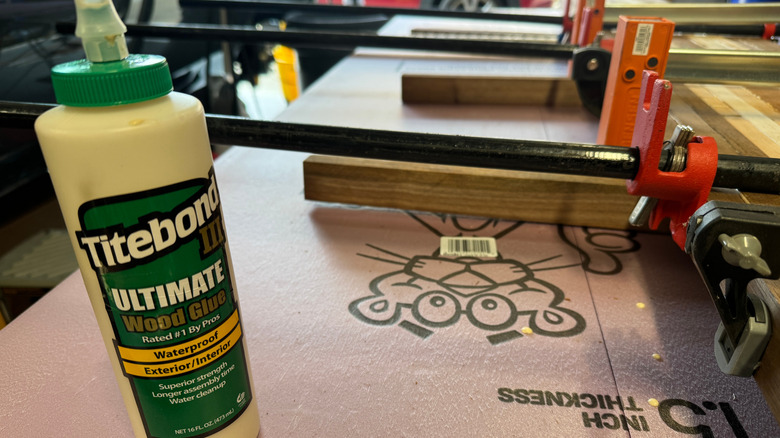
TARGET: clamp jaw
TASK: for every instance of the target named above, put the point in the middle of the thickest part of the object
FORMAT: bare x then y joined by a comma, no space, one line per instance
589,66
680,191
590,70
726,241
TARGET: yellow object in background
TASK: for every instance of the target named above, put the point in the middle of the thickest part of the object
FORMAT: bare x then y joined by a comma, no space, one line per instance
287,62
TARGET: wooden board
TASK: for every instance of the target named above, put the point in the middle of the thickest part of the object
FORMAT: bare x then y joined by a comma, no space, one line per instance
468,191
478,81
552,92
526,196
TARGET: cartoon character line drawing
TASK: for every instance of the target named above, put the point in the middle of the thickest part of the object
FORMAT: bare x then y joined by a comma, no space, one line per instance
599,248
496,294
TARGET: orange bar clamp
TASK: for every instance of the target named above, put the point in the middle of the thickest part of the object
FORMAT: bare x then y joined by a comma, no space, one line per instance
588,22
642,43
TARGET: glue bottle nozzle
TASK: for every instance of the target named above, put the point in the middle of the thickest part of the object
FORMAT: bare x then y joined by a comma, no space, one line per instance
101,30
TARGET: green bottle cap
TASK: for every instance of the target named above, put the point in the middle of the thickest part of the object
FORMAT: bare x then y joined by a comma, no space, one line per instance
135,78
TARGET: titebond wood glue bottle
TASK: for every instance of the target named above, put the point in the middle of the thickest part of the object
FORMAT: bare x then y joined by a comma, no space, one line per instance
131,165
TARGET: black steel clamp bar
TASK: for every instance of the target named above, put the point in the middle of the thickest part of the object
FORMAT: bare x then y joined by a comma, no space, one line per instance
750,174
590,65
280,8
336,40
589,71
283,7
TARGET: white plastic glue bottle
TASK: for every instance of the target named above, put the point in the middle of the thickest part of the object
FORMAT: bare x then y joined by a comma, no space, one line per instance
132,169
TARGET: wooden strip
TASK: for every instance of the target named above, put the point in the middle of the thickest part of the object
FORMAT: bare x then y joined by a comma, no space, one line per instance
763,139
758,104
685,114
769,95
526,196
713,102
757,122
713,112
435,89
468,191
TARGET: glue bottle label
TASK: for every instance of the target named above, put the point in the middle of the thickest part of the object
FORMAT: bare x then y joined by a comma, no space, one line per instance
161,261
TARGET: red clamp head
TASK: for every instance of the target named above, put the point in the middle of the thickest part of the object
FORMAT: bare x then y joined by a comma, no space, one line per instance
681,193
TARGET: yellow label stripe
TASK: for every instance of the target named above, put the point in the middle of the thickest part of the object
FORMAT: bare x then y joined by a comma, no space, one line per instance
187,365
179,351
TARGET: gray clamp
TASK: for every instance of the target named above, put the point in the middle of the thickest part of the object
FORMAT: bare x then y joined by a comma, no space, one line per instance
731,245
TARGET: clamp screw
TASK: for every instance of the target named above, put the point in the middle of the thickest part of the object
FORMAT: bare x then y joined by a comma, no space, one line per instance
640,215
592,65
744,250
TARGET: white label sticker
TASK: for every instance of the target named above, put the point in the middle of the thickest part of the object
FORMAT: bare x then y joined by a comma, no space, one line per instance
468,246
644,33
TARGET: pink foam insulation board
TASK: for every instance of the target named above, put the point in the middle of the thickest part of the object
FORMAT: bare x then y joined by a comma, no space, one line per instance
360,324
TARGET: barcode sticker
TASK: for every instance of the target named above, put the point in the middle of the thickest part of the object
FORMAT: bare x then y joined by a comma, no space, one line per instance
468,246
644,32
